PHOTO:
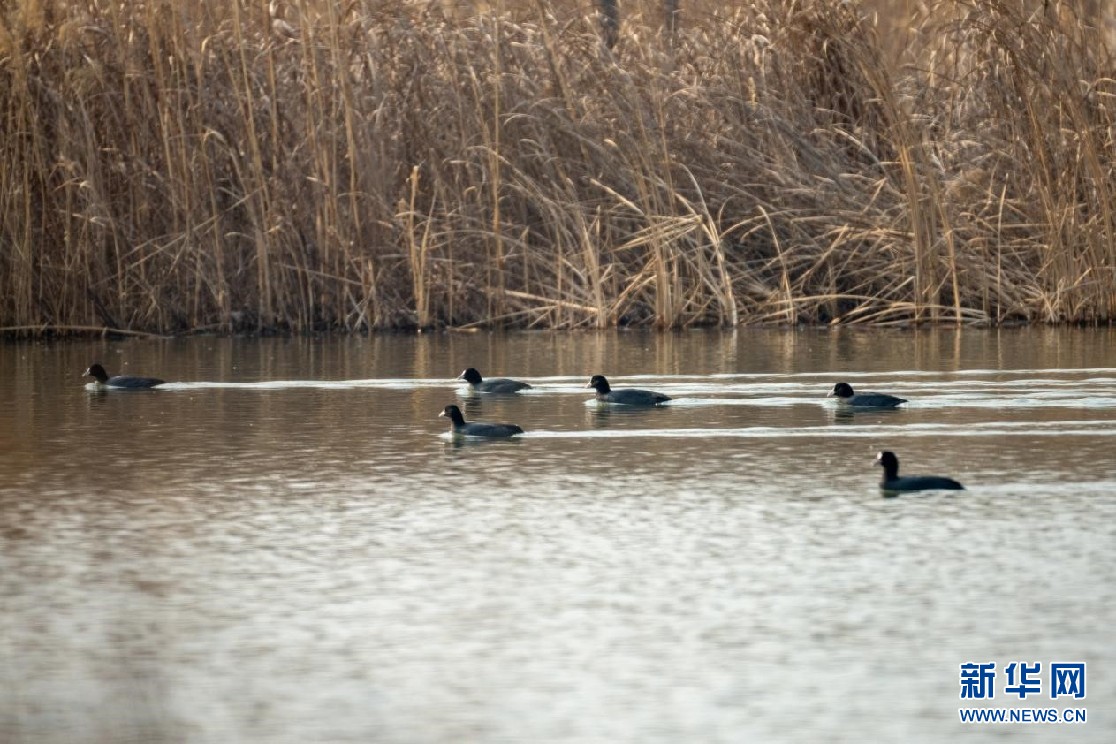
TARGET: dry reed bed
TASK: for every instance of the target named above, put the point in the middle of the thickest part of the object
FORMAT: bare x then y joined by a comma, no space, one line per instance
175,167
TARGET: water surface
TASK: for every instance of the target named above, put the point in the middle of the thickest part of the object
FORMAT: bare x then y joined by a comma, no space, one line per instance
285,545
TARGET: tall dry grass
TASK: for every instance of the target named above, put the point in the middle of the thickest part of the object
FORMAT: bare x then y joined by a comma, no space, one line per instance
309,165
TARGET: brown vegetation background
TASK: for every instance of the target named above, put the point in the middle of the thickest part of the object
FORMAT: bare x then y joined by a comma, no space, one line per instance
236,165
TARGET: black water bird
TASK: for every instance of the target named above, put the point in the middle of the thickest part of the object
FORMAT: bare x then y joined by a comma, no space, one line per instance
495,385
627,397
459,426
127,382
892,482
845,395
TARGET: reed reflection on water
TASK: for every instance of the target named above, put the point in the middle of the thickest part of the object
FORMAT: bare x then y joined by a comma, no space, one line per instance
285,544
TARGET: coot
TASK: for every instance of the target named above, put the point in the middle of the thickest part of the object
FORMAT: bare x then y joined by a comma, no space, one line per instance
495,385
628,397
844,394
102,379
460,427
892,482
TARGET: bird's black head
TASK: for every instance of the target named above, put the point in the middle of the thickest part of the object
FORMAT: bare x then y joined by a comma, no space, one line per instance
841,390
97,372
453,413
889,462
470,376
599,383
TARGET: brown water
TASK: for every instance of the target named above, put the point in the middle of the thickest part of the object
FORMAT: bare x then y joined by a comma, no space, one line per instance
283,545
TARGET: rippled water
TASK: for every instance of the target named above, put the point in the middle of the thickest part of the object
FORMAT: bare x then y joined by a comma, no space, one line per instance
285,545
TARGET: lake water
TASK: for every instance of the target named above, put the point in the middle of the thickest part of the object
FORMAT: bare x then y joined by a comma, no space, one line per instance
283,545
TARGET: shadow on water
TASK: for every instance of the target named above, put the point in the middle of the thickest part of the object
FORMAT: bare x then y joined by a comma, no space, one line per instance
600,415
844,415
458,442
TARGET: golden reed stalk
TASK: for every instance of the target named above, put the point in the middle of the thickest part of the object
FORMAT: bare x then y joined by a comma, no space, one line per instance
304,165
